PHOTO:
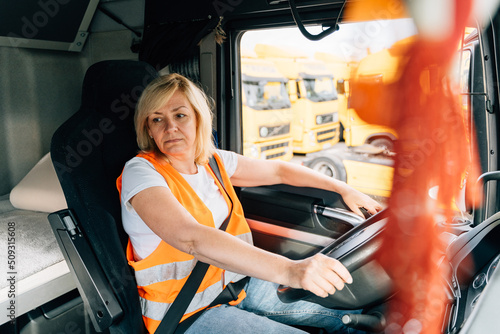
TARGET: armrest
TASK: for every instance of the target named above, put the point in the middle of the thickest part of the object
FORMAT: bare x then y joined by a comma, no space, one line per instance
94,288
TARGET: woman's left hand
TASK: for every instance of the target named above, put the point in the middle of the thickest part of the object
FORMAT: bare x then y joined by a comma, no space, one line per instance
356,200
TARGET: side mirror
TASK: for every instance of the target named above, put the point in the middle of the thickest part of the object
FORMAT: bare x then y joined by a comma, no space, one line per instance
297,85
480,211
293,90
341,86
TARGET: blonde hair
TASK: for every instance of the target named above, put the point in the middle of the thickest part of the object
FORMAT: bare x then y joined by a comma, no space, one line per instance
156,95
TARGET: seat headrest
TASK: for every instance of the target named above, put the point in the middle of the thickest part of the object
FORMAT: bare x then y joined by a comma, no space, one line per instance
108,85
90,149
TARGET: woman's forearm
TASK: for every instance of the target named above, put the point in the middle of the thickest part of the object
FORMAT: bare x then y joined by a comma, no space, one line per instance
218,248
319,274
207,244
253,172
300,176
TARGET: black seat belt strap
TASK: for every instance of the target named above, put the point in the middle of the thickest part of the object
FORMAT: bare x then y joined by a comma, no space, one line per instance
176,311
215,169
174,314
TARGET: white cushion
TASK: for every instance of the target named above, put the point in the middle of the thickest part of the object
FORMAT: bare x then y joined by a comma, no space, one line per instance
39,190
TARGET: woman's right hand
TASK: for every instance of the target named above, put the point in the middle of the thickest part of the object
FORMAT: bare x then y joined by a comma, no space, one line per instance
319,274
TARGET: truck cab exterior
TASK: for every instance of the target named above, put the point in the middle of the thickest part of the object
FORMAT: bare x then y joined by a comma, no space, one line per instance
380,66
374,67
313,95
267,113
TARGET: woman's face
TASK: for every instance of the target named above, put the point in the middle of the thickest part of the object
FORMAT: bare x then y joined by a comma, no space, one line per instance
173,127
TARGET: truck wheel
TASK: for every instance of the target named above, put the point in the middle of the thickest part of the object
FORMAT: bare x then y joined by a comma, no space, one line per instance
331,166
385,143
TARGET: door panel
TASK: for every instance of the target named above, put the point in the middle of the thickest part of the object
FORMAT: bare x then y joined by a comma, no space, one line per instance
295,222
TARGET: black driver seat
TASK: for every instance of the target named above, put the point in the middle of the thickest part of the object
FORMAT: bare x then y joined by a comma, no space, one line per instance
89,151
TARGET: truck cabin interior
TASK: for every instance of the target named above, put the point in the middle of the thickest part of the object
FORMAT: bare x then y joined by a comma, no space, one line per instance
71,74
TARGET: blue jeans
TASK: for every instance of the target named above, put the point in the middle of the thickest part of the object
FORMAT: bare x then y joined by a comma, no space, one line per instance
262,312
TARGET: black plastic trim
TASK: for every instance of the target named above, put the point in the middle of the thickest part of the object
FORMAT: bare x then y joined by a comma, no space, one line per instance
91,281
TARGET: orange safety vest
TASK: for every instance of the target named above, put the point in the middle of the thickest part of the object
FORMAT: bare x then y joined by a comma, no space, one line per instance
162,274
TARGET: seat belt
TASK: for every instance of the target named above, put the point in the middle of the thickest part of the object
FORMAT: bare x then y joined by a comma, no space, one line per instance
170,322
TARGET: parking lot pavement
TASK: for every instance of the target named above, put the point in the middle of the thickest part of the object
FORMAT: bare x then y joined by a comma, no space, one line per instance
298,158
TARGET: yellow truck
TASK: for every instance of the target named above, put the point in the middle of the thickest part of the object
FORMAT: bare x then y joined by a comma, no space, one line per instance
267,113
341,70
313,96
365,161
374,67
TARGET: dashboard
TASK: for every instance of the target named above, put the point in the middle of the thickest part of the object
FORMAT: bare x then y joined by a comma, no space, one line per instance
473,258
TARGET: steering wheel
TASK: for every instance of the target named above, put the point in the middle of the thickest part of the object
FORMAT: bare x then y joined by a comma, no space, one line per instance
356,251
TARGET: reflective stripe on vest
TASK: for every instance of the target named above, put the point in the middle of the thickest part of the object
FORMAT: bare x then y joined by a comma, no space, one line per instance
176,270
157,310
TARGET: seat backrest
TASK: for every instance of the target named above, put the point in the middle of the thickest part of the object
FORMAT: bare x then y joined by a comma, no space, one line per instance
89,151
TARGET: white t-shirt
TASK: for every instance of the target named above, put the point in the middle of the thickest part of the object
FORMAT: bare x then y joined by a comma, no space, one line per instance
139,174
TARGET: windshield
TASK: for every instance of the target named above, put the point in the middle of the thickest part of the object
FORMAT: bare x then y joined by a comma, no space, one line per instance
320,89
264,95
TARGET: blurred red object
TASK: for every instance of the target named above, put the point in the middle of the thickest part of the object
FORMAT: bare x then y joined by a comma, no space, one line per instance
432,149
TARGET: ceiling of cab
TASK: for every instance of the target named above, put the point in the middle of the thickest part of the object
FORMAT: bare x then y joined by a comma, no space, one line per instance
65,25
130,12
53,22
59,25
158,11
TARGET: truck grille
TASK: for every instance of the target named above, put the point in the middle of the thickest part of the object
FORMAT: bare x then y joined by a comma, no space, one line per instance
323,136
272,147
277,150
272,156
